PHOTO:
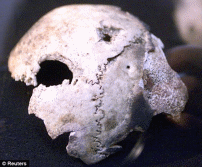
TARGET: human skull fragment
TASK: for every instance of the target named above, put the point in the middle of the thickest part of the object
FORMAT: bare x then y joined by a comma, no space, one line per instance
116,77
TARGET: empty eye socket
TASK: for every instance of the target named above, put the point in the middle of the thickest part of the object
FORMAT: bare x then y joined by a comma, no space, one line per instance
53,73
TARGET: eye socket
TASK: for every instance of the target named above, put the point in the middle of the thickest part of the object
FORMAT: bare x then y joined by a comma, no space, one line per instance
53,73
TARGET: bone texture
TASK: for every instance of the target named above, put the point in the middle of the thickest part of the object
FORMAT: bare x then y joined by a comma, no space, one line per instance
121,78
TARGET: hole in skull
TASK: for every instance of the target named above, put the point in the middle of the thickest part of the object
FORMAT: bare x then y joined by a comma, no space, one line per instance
53,73
61,142
106,37
191,29
106,33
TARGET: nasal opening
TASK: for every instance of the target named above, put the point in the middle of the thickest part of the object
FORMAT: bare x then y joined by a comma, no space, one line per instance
53,73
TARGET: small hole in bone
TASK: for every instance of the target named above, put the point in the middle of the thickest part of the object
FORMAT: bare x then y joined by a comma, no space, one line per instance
191,29
106,33
53,73
128,67
106,37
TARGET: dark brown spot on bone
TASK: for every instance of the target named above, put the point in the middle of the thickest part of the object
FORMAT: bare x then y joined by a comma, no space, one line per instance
68,118
148,81
111,123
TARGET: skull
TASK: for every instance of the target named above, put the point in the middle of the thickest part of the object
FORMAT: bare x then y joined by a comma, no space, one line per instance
109,77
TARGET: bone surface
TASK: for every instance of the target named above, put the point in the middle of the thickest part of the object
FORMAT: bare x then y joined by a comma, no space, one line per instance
118,77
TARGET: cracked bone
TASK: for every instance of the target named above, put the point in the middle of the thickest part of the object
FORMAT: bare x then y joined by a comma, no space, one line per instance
118,77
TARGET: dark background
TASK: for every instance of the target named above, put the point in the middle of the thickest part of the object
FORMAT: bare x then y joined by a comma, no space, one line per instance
24,137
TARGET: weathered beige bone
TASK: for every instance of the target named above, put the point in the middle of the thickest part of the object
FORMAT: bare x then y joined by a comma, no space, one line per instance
120,77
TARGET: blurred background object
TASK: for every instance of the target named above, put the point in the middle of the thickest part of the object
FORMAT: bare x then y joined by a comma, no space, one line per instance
9,11
188,19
